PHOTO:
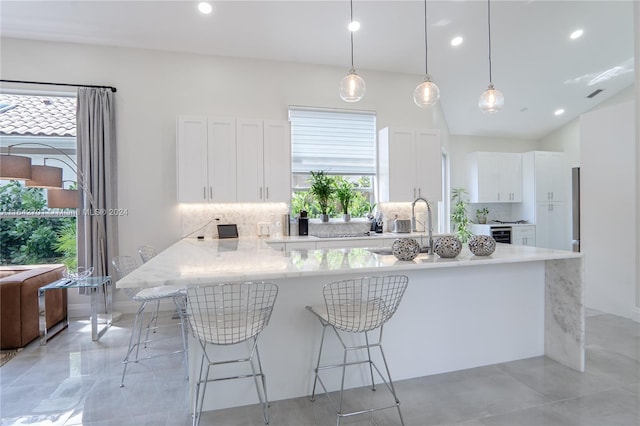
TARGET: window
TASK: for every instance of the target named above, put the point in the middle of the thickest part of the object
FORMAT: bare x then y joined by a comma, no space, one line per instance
342,144
43,128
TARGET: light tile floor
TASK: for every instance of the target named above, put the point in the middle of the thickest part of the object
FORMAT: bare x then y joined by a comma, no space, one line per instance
74,381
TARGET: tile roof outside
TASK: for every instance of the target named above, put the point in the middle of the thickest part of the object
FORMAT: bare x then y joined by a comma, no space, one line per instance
24,115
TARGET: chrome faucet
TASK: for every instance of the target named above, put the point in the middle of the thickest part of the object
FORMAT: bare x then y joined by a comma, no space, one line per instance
429,226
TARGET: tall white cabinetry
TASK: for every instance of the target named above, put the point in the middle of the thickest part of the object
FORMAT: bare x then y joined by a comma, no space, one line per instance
494,177
264,165
409,164
546,179
206,159
221,160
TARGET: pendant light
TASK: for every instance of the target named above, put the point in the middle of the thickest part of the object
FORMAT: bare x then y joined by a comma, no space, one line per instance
491,100
427,93
352,86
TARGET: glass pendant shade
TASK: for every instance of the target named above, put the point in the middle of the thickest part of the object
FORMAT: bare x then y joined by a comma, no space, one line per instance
426,94
491,100
15,167
352,87
63,198
45,177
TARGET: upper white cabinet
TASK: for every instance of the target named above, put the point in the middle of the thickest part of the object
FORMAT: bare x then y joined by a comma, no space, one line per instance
264,160
551,179
494,177
225,160
409,164
206,159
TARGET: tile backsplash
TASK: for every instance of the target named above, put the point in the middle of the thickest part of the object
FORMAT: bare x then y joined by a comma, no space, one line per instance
251,218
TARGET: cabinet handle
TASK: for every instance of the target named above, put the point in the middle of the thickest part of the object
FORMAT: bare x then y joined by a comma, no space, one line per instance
267,192
551,205
419,192
261,193
211,192
414,193
204,192
552,195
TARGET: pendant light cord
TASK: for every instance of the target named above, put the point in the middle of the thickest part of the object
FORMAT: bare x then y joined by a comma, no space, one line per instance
351,3
426,44
489,26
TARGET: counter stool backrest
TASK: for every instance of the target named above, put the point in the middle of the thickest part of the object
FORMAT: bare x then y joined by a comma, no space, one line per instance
230,313
146,253
124,266
363,304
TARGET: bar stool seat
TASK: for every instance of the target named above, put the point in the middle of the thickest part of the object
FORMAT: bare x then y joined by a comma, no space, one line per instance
358,306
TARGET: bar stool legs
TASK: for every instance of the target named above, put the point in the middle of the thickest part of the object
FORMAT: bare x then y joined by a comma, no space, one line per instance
358,307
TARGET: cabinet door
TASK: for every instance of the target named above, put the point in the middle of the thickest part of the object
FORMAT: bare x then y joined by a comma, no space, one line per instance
558,175
489,189
191,153
402,166
221,163
542,224
277,161
514,177
523,235
558,227
250,160
428,154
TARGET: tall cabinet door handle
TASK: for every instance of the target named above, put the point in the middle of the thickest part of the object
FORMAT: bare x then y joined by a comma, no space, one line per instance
204,192
211,192
267,192
414,193
261,193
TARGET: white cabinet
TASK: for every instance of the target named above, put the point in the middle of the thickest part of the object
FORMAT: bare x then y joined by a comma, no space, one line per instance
264,165
206,159
225,160
409,165
523,235
546,178
550,183
494,177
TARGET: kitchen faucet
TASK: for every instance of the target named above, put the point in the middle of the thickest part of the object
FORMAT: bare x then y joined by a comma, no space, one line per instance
413,221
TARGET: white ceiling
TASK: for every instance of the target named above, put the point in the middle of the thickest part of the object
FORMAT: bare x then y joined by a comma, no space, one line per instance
535,64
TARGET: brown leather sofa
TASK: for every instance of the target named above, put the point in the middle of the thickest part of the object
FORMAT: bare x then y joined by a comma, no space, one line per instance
19,312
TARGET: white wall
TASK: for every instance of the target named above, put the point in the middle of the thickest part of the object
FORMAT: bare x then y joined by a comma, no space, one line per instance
608,208
154,87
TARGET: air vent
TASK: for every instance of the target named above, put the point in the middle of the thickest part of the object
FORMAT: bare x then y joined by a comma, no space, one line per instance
594,93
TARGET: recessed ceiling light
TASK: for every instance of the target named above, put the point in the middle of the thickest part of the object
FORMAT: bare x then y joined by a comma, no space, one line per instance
456,41
576,34
354,26
559,111
205,7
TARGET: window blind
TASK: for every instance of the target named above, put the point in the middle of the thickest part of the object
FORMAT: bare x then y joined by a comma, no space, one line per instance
338,142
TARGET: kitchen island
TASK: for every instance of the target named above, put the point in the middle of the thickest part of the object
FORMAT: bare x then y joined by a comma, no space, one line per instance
457,313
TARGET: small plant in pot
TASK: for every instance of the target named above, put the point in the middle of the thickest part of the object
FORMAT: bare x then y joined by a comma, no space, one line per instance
344,194
322,189
481,215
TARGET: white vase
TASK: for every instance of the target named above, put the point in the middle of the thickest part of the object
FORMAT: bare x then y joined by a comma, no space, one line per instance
346,217
324,217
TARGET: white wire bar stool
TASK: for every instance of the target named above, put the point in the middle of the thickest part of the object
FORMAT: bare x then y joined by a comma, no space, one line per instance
227,314
125,265
146,253
360,305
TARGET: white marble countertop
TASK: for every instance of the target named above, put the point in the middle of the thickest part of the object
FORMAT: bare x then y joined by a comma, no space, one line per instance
371,236
193,262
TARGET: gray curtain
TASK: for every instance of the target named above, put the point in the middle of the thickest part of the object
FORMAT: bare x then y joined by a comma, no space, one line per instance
97,221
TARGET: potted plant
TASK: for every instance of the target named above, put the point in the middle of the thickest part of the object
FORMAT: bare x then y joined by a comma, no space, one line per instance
481,215
459,215
344,194
322,189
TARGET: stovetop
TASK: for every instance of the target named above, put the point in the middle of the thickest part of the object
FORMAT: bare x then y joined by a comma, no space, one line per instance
513,222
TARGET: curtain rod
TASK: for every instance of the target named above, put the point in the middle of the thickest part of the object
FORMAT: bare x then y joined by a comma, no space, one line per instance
113,89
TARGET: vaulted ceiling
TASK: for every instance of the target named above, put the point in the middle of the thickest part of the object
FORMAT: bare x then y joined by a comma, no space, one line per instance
535,63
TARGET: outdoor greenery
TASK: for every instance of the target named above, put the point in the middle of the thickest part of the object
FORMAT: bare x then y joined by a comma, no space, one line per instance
359,205
34,240
459,215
